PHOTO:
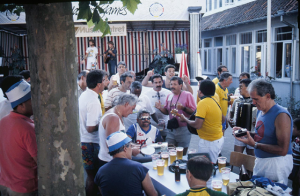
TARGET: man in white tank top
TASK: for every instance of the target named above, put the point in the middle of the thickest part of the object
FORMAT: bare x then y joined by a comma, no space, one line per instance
112,122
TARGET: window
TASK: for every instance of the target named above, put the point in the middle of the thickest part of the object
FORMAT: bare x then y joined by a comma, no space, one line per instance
219,57
283,59
209,5
283,33
258,56
245,61
207,60
230,40
216,4
229,2
261,36
207,43
218,41
233,60
220,3
246,38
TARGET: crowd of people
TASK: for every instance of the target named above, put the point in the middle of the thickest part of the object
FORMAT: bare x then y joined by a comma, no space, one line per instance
117,114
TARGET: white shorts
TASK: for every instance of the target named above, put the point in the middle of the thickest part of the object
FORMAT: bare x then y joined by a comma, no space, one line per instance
213,148
239,143
276,168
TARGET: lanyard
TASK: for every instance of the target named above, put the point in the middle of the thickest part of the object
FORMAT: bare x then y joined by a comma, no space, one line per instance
176,101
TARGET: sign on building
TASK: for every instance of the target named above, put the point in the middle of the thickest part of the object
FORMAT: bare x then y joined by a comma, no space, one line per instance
115,29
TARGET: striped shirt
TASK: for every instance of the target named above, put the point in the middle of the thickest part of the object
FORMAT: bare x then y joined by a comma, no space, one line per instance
296,151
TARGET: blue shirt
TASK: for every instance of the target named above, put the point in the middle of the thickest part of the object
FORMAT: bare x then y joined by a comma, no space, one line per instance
121,176
265,131
132,132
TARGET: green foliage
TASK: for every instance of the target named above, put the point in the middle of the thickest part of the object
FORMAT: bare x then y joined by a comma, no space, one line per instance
13,8
17,61
180,48
93,13
160,60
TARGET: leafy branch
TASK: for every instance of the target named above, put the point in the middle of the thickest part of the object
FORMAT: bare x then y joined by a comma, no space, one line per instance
91,11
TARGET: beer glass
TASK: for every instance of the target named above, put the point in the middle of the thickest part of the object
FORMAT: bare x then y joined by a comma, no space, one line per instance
217,185
161,124
225,175
165,156
160,164
221,162
173,155
179,152
154,158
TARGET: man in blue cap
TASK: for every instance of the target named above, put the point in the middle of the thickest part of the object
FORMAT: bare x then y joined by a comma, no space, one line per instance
18,148
122,176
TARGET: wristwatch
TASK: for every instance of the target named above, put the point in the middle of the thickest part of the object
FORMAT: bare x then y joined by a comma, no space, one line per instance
255,145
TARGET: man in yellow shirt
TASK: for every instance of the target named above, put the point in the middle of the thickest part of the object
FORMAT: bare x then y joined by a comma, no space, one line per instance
208,121
222,92
220,70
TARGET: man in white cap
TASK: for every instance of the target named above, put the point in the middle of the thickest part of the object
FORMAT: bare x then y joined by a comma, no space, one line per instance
18,148
122,176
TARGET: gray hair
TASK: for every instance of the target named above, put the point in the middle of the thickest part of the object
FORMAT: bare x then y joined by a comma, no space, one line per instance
135,85
143,111
126,98
224,76
262,87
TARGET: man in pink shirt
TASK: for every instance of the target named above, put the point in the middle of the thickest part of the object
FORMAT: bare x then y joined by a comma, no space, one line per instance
183,103
18,148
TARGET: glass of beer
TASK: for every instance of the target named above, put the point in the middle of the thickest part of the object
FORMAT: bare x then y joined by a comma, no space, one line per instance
173,155
161,124
160,164
217,185
165,156
225,175
179,152
154,158
221,162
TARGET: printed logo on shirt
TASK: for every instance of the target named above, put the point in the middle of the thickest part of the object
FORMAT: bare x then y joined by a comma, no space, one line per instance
260,127
141,134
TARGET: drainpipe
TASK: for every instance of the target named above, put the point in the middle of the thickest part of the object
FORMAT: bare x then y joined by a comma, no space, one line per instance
293,48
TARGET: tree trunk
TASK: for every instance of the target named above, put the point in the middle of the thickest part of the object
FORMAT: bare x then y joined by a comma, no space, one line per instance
52,47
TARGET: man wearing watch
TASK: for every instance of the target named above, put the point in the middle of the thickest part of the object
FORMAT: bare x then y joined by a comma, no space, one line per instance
273,134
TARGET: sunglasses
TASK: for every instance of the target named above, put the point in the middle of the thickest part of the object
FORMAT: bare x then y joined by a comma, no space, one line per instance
145,118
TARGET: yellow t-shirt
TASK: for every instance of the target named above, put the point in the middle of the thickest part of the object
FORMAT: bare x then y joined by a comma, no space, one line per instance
215,80
216,95
223,98
210,112
102,103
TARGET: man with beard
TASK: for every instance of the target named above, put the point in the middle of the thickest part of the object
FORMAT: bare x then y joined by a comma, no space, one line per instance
91,55
142,130
157,93
169,72
181,102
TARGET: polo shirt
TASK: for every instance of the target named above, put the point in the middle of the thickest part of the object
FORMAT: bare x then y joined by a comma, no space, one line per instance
210,112
223,98
17,147
201,192
89,115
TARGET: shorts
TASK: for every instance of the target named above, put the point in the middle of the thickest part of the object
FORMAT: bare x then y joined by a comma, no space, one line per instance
213,148
179,137
239,143
90,153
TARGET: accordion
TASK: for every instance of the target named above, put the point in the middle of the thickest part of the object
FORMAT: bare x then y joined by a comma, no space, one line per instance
245,116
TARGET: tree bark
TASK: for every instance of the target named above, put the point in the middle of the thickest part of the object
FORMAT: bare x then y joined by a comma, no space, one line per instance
52,47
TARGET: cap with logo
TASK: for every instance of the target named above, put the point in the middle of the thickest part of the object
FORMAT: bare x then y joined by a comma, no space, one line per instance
116,140
18,93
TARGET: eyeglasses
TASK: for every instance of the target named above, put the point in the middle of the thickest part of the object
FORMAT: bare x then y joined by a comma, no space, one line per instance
145,118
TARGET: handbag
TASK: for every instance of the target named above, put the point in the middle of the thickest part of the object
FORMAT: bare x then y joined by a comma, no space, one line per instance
191,129
173,122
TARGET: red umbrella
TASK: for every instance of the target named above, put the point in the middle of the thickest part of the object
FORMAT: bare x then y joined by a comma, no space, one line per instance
183,68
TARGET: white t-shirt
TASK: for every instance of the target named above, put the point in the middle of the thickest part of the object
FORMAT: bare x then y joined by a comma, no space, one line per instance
103,152
5,108
89,115
143,103
111,96
92,52
153,97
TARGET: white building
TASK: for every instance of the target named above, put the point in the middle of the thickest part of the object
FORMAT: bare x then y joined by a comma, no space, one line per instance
234,33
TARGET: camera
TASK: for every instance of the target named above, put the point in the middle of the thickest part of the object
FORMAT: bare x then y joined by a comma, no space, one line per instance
240,132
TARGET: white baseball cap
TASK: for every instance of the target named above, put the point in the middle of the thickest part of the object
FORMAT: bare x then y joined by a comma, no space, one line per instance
18,93
116,140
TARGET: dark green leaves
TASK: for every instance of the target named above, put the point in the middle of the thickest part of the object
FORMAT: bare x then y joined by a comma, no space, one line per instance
12,8
84,10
